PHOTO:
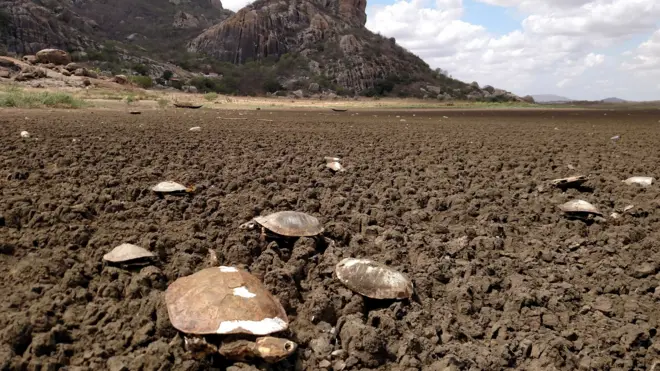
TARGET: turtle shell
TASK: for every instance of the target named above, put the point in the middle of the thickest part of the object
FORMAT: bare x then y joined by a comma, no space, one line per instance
570,181
291,224
169,186
331,159
639,180
373,280
223,300
127,252
579,206
334,166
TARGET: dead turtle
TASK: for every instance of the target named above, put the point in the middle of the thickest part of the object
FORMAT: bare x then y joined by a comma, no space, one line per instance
373,279
580,209
233,303
643,181
572,181
172,187
286,224
128,253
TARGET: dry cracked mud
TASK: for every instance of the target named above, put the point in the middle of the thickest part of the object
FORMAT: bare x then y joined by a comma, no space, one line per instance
460,204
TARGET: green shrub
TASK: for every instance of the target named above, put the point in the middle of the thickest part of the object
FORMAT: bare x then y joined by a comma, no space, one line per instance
21,99
167,75
141,69
144,82
211,96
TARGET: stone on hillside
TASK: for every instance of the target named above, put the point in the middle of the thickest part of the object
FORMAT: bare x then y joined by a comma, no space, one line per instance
120,79
72,66
434,89
55,56
314,87
32,59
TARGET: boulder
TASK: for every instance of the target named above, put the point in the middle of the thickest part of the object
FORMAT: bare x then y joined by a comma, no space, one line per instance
434,89
314,87
31,59
528,99
489,89
72,66
80,72
120,79
7,63
475,85
86,82
4,73
55,56
65,72
298,93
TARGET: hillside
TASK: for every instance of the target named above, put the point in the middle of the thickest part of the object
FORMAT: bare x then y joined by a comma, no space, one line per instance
303,47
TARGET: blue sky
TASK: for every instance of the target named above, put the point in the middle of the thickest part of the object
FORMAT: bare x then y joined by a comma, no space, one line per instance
583,49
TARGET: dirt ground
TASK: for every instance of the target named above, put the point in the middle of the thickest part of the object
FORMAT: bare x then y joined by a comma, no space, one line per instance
458,200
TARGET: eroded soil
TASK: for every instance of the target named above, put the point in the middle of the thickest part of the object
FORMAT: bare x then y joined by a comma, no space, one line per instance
460,204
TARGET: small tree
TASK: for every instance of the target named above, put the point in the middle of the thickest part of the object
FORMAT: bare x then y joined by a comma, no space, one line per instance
167,75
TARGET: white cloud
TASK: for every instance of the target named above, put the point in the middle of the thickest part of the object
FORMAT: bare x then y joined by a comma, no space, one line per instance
559,46
646,59
235,5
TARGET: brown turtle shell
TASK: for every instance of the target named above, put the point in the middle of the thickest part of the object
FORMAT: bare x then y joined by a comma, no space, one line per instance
223,300
373,280
291,224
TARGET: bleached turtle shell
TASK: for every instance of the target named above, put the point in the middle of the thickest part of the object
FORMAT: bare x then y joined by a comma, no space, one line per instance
127,252
579,206
331,159
25,134
570,181
223,300
168,186
373,280
291,224
644,181
334,166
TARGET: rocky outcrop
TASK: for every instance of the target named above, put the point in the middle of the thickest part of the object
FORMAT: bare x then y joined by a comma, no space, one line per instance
330,33
54,56
27,27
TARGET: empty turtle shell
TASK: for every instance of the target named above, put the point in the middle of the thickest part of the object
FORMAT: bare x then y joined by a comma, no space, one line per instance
579,207
373,280
127,252
572,181
169,187
335,166
223,300
291,224
643,181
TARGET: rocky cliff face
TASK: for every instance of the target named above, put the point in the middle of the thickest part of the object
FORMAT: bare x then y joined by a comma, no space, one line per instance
28,26
329,32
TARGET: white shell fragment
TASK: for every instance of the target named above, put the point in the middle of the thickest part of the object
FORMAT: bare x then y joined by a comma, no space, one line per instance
168,186
335,166
25,134
373,280
195,128
127,252
331,159
615,138
643,181
579,207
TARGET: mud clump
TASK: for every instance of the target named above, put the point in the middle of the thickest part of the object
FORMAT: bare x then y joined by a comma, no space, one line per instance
461,206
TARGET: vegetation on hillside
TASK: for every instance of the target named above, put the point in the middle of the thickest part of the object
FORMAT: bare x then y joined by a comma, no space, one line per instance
18,98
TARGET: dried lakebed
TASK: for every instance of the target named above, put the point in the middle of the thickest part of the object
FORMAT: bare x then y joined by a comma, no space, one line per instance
461,205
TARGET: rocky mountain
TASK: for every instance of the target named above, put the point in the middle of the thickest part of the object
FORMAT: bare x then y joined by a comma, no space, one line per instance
614,100
319,46
27,26
330,33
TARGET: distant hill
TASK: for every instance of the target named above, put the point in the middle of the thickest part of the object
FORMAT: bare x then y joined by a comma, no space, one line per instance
550,98
613,100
